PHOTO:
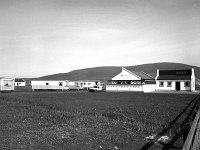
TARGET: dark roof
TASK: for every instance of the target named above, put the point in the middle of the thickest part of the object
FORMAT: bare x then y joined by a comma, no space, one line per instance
197,81
153,75
142,75
175,72
174,75
19,80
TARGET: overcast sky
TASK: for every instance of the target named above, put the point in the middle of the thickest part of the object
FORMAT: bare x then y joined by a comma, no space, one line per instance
41,37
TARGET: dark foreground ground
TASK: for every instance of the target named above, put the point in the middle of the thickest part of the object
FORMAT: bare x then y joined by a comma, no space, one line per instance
86,121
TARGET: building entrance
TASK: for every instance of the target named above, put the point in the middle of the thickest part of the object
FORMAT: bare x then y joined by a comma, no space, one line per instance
178,87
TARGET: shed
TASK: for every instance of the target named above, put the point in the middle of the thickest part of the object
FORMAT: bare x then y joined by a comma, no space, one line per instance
6,84
20,82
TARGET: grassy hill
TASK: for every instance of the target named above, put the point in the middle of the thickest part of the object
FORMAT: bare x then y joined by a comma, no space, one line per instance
106,73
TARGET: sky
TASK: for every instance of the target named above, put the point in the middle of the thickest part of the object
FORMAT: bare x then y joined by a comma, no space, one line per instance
42,37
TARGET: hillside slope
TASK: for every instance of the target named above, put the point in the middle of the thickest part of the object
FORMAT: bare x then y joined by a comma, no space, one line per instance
106,73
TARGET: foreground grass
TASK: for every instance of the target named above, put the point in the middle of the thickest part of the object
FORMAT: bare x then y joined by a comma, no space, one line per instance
81,120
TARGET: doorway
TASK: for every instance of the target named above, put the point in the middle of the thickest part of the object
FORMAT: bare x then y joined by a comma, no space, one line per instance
178,86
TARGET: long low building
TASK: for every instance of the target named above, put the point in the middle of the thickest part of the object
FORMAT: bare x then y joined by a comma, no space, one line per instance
50,85
128,80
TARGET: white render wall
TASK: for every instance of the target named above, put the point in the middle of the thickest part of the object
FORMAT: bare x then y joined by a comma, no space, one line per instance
173,87
193,80
149,88
124,88
52,85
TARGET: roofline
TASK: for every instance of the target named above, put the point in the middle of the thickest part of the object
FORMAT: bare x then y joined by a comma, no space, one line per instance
148,75
174,79
20,79
132,73
176,69
89,80
7,78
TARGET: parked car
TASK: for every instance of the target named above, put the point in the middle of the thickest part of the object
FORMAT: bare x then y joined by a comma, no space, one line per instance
96,89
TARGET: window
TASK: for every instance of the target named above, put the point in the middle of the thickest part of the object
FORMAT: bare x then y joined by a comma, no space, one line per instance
7,82
47,83
161,84
114,82
187,84
169,84
60,84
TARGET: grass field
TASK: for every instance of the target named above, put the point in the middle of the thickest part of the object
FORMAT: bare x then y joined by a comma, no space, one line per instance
85,121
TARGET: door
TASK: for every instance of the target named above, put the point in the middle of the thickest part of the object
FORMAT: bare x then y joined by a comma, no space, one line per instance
178,87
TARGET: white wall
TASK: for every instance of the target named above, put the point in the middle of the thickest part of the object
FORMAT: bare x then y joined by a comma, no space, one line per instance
173,87
165,87
149,87
123,88
193,80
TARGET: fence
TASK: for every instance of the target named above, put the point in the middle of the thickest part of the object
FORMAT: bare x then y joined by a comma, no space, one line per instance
193,139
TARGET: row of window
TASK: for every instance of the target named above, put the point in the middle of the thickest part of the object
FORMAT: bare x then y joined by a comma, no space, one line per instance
169,84
136,86
60,83
87,83
125,82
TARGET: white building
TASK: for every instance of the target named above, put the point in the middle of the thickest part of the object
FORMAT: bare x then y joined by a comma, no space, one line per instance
20,82
128,80
175,80
50,85
6,84
90,83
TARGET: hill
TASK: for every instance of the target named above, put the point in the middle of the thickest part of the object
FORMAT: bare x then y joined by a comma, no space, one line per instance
106,73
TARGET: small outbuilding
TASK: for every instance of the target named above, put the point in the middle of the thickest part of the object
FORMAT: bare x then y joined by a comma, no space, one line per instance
20,82
128,80
50,85
175,80
6,84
